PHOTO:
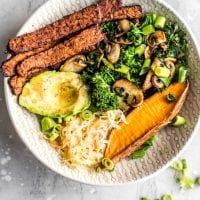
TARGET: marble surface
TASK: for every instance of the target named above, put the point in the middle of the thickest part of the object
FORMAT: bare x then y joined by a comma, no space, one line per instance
23,177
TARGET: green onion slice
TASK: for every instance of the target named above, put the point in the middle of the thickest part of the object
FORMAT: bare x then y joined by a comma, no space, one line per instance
108,64
162,72
147,30
160,22
124,69
166,81
55,133
140,153
170,98
108,164
197,181
182,74
166,197
86,115
47,124
178,121
138,40
145,67
177,166
60,120
140,50
145,198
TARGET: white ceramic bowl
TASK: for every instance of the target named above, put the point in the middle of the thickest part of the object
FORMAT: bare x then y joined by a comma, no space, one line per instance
174,140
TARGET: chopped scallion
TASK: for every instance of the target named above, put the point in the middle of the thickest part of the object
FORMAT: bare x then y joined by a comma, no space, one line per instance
147,30
55,133
166,197
178,121
197,181
182,74
47,124
166,81
108,64
145,67
177,166
140,50
160,22
60,120
108,164
145,198
140,153
170,98
98,169
86,115
184,180
162,72
124,69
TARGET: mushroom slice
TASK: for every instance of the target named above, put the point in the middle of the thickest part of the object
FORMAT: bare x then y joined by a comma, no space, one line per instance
100,58
147,83
148,52
119,35
156,38
156,63
171,59
113,52
131,95
74,64
121,41
136,21
124,25
170,65
157,83
164,46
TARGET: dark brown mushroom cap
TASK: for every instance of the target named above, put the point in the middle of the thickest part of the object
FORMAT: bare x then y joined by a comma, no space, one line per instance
134,96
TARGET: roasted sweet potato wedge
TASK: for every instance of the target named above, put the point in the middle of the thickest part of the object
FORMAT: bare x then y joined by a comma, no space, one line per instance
144,121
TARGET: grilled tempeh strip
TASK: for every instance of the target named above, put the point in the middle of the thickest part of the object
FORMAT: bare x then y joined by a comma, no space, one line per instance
125,12
130,12
9,65
64,27
79,43
16,84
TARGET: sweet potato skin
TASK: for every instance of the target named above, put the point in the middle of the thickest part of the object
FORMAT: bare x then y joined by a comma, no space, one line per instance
117,151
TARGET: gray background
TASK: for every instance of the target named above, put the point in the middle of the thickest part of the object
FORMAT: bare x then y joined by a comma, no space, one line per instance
23,177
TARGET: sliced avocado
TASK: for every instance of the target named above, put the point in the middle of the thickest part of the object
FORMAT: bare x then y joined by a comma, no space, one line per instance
55,94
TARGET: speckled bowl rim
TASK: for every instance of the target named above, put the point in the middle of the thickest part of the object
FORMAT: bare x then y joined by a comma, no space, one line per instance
197,126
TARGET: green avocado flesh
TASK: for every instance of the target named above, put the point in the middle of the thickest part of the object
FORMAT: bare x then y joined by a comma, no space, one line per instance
55,94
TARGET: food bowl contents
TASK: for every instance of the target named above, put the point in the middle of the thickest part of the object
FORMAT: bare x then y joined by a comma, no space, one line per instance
101,94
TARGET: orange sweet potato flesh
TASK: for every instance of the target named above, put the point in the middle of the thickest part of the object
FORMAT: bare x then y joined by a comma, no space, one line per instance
144,121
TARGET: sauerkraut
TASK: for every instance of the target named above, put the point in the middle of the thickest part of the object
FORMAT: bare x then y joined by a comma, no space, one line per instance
85,141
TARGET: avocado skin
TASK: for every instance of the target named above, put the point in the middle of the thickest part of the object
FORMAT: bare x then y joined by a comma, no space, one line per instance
55,94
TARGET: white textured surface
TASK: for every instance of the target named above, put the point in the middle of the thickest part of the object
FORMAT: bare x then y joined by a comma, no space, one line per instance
52,187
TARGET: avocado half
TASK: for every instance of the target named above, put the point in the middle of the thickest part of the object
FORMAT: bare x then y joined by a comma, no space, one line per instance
55,94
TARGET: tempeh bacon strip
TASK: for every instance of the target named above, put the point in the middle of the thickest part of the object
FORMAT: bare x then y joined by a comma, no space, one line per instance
64,27
8,66
77,44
